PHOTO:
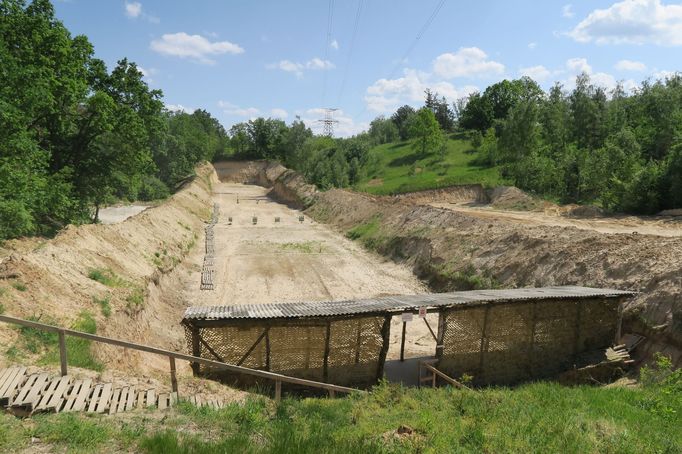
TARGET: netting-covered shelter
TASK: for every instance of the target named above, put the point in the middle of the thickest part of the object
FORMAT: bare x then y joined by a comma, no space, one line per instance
496,336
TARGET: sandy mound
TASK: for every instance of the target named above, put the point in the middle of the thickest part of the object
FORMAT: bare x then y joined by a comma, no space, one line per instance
512,198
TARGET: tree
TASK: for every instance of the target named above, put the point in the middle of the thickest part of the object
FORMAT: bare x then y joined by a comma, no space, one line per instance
427,132
402,118
382,130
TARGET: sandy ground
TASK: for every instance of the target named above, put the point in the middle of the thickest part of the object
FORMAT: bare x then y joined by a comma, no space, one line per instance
116,214
667,226
291,260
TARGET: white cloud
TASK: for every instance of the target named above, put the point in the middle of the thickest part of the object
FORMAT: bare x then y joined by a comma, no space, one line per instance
532,45
133,9
179,108
147,73
578,65
630,65
385,95
298,68
567,11
334,45
279,113
194,47
538,73
466,62
632,22
232,109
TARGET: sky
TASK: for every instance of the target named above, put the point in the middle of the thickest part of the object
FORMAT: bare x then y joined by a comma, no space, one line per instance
240,59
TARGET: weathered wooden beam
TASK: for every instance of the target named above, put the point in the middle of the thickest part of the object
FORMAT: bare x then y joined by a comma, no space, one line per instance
255,344
402,343
484,340
386,340
325,366
174,378
62,353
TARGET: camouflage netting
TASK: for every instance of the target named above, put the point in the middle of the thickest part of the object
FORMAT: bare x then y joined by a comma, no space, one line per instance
512,342
355,348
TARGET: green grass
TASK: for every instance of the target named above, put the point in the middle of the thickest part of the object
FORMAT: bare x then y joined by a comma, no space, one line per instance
19,286
534,418
306,247
135,300
104,303
35,341
106,277
401,169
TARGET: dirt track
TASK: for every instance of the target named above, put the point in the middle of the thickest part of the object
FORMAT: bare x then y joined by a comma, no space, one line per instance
291,260
666,226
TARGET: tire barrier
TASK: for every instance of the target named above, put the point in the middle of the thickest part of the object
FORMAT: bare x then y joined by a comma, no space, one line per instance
207,270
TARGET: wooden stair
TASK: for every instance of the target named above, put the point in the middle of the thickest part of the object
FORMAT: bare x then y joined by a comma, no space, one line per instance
24,394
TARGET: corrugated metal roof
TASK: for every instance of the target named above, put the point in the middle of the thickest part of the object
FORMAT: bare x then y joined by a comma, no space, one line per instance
391,304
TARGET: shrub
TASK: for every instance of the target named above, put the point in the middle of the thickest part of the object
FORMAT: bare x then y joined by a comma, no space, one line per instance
104,304
106,277
153,189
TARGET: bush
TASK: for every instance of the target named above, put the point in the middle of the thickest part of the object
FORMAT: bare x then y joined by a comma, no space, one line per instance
106,277
153,189
15,220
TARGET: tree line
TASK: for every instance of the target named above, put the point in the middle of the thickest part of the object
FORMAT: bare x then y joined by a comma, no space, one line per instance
75,136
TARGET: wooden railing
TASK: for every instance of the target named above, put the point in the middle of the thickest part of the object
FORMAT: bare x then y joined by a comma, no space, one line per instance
426,365
172,356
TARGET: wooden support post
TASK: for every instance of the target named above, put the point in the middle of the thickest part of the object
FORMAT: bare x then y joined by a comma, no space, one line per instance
484,341
267,351
578,323
332,393
531,343
358,341
402,343
325,366
442,317
62,353
619,325
386,340
430,330
196,349
174,378
278,390
433,380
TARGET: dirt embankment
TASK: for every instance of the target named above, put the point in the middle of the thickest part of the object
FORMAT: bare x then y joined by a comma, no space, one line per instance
51,279
443,246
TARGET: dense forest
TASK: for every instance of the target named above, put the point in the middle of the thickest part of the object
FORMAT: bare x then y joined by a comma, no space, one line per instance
74,135
616,149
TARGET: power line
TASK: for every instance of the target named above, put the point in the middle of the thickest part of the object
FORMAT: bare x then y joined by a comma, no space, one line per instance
409,50
328,39
328,122
350,51
421,32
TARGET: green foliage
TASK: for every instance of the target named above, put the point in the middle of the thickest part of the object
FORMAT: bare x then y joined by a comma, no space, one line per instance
383,130
78,350
666,383
467,278
104,303
135,300
19,286
106,277
74,135
427,133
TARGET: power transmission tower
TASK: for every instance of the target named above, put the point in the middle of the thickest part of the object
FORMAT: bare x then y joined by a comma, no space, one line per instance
328,122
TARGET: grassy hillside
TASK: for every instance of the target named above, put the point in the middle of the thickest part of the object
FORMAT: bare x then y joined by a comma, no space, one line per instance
540,417
401,169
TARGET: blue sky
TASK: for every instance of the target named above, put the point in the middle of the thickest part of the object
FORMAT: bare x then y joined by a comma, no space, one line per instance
240,59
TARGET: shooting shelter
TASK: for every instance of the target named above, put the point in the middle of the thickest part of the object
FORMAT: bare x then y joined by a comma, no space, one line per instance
496,336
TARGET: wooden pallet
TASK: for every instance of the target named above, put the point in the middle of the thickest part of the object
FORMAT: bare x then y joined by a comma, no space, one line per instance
25,394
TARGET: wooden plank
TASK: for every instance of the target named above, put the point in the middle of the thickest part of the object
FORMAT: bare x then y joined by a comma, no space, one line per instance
36,392
103,402
131,399
140,399
96,393
173,399
123,399
163,401
62,352
5,374
13,381
47,394
151,397
113,406
25,388
57,397
71,395
83,394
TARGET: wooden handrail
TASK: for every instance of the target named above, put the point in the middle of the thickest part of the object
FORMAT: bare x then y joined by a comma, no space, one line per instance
278,378
452,381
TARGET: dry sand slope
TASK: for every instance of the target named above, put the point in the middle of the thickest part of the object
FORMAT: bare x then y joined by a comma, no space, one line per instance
291,260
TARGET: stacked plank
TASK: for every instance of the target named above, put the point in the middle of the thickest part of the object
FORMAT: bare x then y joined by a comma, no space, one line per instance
208,270
24,394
